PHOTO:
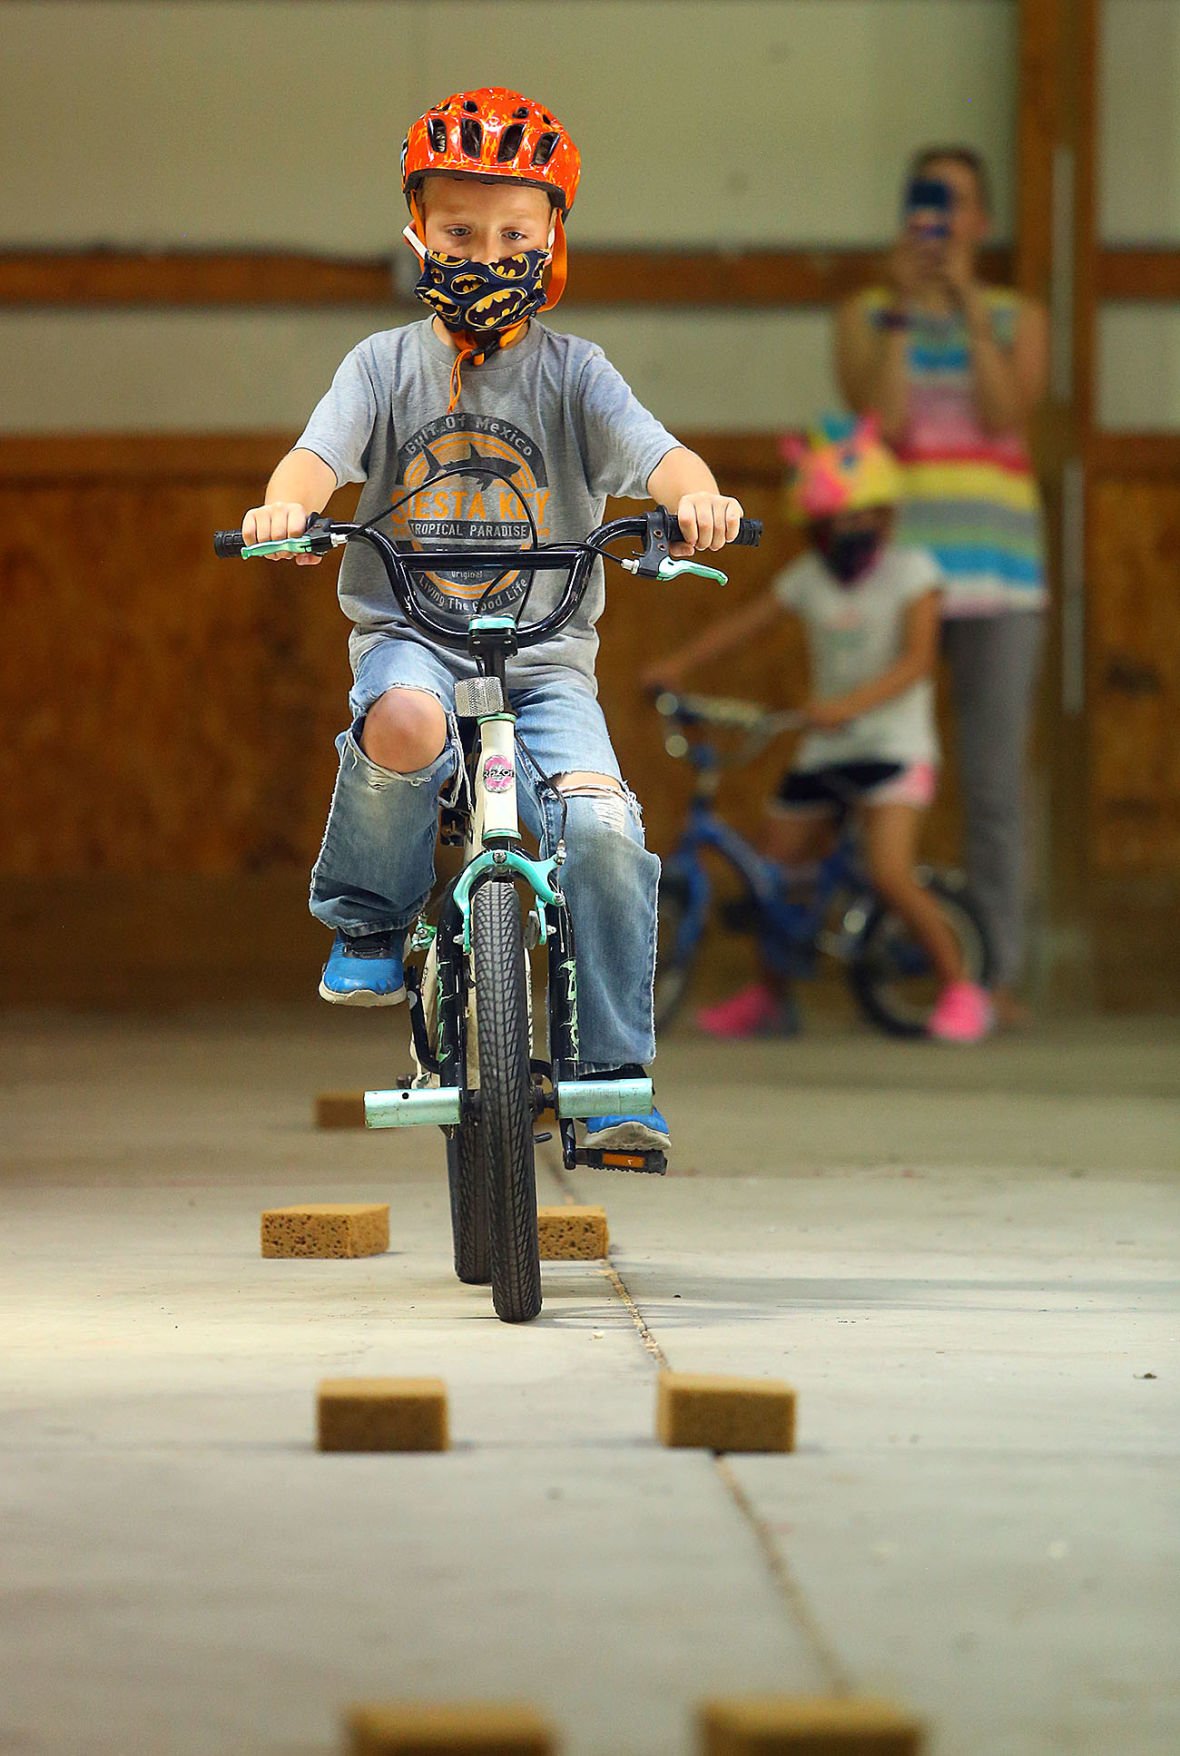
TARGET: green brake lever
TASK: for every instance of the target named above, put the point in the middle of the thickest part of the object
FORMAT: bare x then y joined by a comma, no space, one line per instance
287,546
670,569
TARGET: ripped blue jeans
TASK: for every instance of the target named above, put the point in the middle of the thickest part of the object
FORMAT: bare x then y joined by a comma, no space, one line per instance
375,870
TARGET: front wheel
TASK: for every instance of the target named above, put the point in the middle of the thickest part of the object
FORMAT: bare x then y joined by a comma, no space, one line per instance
506,1100
890,973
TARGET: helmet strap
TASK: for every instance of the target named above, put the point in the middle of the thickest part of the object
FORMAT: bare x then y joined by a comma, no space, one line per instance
558,267
473,351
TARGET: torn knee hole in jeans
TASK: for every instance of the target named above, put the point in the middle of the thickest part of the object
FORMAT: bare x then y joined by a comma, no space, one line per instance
611,801
379,779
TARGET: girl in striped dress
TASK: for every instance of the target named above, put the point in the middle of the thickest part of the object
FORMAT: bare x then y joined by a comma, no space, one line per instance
955,370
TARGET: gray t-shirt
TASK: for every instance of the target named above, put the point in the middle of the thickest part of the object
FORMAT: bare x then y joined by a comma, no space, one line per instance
549,420
854,633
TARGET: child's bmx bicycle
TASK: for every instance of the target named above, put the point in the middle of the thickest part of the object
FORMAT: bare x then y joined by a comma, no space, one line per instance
796,915
485,1073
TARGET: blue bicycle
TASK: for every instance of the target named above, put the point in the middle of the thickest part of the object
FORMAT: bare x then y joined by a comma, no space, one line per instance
828,908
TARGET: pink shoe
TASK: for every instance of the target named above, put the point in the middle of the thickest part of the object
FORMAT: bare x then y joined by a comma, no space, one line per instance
964,1014
751,1012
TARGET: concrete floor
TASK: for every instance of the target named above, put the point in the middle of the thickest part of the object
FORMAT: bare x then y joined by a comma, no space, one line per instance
965,1263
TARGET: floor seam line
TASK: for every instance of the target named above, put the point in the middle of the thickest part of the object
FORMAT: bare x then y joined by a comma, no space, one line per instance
790,1593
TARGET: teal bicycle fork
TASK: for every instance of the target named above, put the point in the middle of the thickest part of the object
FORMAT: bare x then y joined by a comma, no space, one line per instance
556,1088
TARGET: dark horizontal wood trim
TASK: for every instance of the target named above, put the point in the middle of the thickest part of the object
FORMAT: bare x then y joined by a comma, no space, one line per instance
1133,454
177,457
1138,274
750,278
102,277
205,457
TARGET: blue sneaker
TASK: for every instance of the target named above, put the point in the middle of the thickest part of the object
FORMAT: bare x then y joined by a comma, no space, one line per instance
629,1133
365,970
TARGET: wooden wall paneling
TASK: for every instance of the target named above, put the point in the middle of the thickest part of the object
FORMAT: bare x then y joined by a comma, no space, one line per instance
169,756
1038,126
1043,135
168,712
1135,675
1085,19
194,701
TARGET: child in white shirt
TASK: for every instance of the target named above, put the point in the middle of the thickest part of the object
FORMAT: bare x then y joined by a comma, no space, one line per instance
871,610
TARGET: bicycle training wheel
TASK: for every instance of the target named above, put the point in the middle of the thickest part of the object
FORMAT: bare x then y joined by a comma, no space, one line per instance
892,976
506,1100
467,1176
676,949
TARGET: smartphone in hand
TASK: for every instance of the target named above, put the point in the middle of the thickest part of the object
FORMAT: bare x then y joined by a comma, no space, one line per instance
928,210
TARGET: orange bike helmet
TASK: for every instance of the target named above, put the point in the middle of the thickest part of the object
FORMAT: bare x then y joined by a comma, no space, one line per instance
493,133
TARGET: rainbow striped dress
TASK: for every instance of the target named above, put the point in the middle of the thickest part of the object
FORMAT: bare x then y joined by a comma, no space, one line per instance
970,496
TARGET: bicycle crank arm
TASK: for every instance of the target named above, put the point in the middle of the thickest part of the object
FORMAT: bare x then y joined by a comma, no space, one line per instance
439,1106
604,1097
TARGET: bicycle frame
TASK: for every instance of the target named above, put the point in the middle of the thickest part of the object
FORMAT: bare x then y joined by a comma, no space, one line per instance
493,841
494,853
791,931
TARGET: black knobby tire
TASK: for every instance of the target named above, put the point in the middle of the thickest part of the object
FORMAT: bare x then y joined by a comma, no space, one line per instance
673,968
895,994
467,1176
506,1094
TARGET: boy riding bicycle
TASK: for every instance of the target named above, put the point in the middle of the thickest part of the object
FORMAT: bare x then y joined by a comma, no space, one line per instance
482,425
871,612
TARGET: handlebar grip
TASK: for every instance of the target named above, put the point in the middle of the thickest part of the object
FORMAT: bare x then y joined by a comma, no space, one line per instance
227,543
749,531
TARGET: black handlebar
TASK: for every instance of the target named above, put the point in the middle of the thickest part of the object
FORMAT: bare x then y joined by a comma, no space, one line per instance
657,528
228,543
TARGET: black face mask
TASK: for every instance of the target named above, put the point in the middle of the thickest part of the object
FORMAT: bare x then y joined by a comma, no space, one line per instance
849,554
483,298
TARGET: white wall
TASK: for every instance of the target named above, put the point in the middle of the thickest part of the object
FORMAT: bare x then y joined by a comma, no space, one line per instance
1139,122
220,371
246,123
1139,203
1139,367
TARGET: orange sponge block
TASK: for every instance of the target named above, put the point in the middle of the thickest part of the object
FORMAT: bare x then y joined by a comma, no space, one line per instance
787,1725
475,1729
340,1109
725,1414
572,1234
326,1228
382,1414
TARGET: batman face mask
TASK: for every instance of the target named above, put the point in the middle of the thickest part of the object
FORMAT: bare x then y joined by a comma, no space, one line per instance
483,298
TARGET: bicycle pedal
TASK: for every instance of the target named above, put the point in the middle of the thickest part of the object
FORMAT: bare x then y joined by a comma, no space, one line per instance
599,1158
